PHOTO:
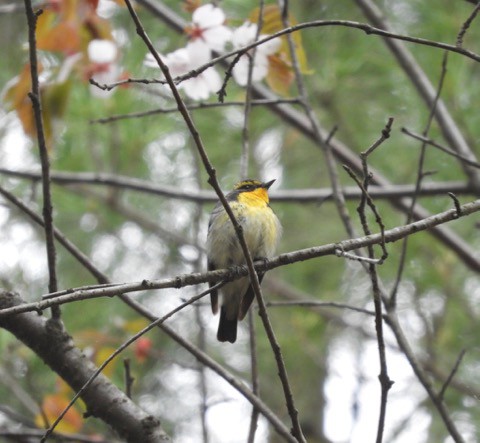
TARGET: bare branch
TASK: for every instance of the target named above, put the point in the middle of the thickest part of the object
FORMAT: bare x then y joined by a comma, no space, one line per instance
193,107
297,196
454,370
214,183
394,324
385,381
418,183
448,151
35,97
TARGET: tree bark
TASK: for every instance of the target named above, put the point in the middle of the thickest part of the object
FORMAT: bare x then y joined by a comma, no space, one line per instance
50,341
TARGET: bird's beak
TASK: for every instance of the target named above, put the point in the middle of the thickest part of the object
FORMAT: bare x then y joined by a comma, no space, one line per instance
268,184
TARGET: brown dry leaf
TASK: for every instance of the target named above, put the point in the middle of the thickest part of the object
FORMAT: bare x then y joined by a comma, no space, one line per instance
16,98
191,5
280,75
272,23
57,34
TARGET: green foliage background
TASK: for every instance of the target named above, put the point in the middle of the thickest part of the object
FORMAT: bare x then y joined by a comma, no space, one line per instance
356,85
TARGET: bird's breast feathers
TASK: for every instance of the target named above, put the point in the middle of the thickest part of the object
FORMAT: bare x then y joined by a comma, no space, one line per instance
261,230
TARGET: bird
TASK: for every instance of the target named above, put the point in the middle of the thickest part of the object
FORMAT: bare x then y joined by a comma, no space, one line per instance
249,202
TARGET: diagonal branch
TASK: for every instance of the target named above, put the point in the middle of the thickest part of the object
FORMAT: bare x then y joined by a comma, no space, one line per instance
296,429
392,320
35,97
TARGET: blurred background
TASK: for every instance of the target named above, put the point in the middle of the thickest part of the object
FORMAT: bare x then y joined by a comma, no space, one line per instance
353,82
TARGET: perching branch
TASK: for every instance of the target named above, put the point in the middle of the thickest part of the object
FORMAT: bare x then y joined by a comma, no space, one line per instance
111,290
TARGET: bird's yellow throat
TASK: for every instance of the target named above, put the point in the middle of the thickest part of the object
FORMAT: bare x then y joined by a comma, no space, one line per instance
257,197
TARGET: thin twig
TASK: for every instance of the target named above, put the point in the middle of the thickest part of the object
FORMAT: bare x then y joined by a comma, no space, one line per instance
395,327
466,25
366,198
368,29
128,377
456,203
254,375
448,151
385,381
454,370
359,258
193,107
35,97
222,92
418,184
384,136
244,158
367,178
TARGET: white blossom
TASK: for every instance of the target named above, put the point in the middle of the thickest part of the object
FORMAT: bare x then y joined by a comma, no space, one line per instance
208,27
184,60
102,55
244,36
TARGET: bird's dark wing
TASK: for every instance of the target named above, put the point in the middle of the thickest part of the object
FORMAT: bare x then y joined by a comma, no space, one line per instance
214,294
248,298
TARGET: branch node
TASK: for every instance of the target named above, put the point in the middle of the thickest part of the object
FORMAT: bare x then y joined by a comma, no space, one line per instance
178,283
456,203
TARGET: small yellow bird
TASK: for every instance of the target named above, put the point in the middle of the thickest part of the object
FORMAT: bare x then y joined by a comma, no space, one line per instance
261,228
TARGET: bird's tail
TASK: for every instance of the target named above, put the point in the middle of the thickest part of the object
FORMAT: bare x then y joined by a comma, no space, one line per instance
227,329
